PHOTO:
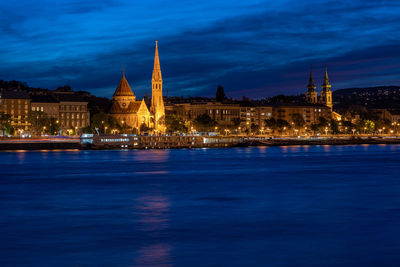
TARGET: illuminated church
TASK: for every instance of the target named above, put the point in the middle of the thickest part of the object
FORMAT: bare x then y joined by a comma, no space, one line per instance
135,113
326,93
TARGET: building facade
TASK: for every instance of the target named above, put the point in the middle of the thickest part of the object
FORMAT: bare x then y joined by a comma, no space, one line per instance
255,115
310,113
17,104
46,104
73,112
223,114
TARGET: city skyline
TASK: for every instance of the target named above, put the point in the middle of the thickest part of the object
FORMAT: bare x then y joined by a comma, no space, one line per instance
258,49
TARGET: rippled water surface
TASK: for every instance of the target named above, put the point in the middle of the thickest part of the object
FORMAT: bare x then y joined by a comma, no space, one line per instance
274,206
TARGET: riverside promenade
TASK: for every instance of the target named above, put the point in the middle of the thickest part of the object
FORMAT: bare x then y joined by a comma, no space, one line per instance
123,141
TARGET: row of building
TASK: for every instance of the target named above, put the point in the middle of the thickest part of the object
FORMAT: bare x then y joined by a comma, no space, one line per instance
68,108
225,114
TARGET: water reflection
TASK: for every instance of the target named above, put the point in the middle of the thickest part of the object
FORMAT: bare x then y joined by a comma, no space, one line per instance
21,156
327,148
154,255
152,213
262,149
156,156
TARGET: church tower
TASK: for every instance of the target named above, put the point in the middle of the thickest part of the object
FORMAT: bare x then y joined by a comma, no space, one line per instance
157,102
123,95
326,93
311,94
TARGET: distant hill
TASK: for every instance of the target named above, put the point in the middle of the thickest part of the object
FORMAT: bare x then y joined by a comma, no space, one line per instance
371,97
375,91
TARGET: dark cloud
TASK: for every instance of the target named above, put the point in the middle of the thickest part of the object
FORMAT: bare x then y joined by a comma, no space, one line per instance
265,50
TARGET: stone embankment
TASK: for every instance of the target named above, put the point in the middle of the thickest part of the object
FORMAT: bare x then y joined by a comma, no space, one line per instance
168,142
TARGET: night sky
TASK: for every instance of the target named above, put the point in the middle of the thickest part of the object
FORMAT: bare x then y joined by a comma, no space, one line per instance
253,48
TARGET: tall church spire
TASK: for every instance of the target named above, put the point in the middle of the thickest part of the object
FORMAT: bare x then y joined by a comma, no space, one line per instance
156,68
311,94
311,86
326,79
326,93
157,101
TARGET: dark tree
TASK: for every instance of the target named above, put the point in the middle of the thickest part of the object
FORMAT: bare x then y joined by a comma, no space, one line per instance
144,128
5,124
42,124
220,96
334,126
271,124
104,123
298,120
175,124
254,128
204,123
282,125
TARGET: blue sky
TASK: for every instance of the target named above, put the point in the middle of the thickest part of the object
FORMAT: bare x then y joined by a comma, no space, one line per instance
253,48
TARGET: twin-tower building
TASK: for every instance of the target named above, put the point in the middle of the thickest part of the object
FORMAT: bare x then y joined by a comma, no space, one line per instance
325,97
134,113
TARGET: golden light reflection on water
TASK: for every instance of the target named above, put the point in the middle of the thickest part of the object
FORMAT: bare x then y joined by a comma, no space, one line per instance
156,155
327,148
154,255
21,154
152,172
151,212
262,149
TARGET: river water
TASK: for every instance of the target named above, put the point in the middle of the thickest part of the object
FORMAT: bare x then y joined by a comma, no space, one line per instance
259,206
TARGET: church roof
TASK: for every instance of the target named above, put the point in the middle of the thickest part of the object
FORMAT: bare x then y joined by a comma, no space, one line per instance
133,107
123,88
